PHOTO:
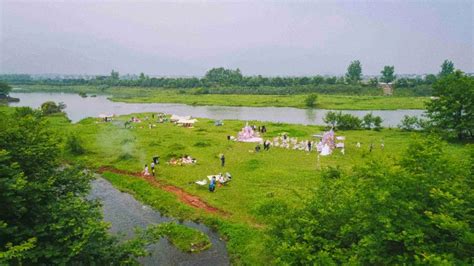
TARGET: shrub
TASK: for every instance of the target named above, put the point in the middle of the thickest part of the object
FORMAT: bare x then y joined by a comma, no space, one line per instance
372,122
338,120
331,172
51,107
74,145
411,123
310,100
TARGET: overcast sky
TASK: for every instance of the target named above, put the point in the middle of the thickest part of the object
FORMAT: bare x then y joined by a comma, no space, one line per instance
268,38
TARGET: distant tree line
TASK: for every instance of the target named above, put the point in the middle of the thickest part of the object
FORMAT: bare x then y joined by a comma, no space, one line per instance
229,81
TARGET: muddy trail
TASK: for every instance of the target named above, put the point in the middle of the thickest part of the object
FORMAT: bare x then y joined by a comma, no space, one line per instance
185,197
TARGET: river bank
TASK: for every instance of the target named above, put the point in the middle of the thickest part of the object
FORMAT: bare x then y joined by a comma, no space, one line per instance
78,108
161,95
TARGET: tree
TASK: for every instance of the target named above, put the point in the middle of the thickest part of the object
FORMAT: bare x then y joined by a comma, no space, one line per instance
222,76
114,75
354,71
310,100
446,68
50,107
46,218
388,74
452,109
373,82
418,211
4,89
369,121
430,79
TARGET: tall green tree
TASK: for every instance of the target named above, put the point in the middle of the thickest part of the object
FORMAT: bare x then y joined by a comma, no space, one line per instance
452,109
354,71
45,218
388,74
114,75
446,68
4,89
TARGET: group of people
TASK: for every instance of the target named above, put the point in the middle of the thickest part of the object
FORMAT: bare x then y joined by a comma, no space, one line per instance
218,179
292,143
372,146
266,146
154,162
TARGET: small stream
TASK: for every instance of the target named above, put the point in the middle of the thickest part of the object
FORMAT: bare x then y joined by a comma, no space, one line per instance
125,213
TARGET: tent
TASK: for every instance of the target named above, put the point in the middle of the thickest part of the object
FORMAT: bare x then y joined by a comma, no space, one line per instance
175,118
186,122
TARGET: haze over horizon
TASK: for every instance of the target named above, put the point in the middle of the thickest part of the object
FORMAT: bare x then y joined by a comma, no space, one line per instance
189,38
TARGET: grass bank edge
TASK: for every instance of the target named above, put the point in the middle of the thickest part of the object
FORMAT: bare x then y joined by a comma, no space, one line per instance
244,244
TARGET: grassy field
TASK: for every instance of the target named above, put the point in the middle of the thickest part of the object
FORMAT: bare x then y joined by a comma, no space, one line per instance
258,178
325,101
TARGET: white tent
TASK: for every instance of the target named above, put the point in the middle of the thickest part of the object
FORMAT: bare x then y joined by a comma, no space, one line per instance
175,118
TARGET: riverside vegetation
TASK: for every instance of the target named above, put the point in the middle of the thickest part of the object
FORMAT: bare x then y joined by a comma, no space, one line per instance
229,87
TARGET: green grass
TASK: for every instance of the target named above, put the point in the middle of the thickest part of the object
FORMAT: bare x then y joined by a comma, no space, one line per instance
259,179
158,95
185,238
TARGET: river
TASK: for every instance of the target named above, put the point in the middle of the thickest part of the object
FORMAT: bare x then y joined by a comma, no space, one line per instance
79,108
125,213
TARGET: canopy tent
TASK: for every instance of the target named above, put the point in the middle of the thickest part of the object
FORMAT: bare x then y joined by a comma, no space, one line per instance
247,134
175,118
186,122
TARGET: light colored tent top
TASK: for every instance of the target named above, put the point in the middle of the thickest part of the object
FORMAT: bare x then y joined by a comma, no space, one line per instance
187,121
177,117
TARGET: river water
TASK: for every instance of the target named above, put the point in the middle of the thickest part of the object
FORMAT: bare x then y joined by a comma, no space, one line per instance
125,213
79,108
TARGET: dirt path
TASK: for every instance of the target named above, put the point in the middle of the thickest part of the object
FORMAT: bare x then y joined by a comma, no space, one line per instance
185,197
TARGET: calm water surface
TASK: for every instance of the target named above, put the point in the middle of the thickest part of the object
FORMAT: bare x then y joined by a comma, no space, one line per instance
79,108
125,213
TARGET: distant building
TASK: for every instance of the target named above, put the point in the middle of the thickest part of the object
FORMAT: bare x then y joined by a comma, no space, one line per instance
387,88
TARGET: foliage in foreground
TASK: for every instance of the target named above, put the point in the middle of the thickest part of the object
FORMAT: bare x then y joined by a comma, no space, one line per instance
418,213
45,217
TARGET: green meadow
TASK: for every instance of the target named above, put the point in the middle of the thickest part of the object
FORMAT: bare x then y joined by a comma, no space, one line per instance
258,179
160,95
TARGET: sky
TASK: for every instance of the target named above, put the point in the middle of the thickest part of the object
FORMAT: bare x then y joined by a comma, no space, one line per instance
259,37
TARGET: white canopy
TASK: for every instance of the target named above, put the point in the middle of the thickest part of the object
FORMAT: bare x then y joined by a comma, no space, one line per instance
187,121
177,117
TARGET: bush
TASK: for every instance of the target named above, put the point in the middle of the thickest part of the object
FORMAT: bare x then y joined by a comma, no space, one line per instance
51,107
310,100
372,122
338,120
411,123
74,145
331,172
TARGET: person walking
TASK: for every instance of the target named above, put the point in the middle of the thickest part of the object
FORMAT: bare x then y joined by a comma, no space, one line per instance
222,160
152,165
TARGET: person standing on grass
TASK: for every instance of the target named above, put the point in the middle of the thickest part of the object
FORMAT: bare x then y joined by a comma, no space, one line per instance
309,145
212,184
152,165
222,160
